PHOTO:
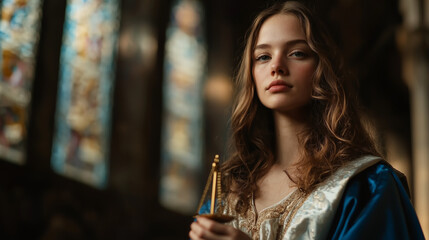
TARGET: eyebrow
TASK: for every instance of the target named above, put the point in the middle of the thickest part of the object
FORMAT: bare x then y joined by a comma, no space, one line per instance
292,42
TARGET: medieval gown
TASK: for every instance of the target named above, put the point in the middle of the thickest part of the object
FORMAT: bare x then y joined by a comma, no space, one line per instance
365,199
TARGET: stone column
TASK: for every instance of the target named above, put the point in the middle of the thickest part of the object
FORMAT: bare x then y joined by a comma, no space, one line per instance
415,38
420,131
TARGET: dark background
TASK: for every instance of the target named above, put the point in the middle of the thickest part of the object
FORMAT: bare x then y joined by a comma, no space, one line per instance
36,203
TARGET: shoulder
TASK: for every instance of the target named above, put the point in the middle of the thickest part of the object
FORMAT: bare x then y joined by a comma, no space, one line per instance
313,218
376,205
378,177
365,196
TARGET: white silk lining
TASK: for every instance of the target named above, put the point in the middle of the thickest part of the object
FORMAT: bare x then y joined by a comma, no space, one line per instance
313,219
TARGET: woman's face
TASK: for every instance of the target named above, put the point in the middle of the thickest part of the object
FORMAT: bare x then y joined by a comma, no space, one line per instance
283,65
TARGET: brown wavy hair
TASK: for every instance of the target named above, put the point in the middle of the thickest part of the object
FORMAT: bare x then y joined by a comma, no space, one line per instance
336,134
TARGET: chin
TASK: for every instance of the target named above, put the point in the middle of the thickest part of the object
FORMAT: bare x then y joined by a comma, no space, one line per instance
290,108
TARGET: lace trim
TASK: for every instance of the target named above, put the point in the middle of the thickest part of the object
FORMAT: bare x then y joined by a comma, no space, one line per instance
292,214
283,212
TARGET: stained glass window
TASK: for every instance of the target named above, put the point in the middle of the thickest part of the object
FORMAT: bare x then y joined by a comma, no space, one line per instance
184,70
81,139
19,35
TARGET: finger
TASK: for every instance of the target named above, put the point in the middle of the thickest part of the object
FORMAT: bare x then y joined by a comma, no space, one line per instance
199,232
213,226
194,236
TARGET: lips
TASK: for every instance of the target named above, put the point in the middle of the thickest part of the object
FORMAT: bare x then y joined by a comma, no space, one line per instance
278,85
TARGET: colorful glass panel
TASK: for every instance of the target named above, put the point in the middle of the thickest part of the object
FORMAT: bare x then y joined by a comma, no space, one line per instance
184,71
19,35
82,137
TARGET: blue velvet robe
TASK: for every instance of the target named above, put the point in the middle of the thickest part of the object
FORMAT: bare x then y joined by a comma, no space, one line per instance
376,205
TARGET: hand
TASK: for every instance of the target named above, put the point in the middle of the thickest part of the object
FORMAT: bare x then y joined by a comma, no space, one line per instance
207,229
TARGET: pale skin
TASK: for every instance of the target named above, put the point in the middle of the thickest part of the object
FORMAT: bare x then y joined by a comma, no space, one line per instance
283,68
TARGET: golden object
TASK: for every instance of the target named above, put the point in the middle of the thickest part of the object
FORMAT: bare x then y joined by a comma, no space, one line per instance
215,200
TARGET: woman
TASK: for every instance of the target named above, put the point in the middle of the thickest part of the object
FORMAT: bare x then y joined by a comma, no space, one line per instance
303,166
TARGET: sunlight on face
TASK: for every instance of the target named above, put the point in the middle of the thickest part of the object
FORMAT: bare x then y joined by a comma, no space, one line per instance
283,65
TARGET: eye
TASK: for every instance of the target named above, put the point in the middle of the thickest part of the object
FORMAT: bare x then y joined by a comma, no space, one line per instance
263,58
298,54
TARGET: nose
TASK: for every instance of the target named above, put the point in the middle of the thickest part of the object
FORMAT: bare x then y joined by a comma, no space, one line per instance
278,66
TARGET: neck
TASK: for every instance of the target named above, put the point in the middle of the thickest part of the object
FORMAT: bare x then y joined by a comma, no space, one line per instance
288,128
